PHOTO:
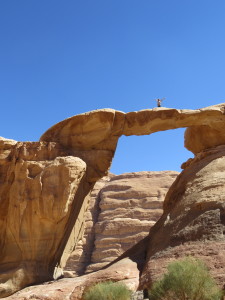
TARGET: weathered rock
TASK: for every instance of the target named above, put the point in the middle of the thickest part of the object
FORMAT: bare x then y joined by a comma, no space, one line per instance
193,222
43,185
40,186
80,254
100,129
125,271
130,204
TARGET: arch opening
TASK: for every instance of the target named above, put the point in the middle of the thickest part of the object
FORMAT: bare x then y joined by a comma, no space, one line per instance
160,151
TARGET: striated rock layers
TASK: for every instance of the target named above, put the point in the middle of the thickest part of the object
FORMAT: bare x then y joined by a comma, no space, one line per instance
193,222
80,255
130,204
121,211
44,184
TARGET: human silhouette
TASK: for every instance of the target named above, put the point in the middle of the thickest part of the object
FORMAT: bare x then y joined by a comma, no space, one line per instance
159,101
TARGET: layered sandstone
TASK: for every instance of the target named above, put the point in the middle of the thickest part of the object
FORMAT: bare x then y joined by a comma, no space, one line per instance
193,222
130,204
80,255
44,184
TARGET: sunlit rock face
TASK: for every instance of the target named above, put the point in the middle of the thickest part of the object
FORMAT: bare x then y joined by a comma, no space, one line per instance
130,204
122,209
42,192
40,186
193,222
125,271
43,185
79,256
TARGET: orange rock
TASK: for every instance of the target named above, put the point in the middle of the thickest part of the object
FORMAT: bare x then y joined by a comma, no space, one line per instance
44,185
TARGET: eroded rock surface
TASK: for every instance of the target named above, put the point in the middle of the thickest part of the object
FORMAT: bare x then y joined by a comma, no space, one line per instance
130,204
193,222
125,271
80,255
121,211
44,184
40,183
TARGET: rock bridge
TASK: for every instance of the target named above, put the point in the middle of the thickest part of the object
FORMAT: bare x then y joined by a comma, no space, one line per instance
43,184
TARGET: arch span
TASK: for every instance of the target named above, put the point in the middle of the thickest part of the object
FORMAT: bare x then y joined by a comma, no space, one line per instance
43,185
98,131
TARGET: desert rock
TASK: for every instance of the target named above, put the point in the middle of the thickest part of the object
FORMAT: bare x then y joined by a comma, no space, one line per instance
125,271
193,221
44,184
130,204
79,256
40,183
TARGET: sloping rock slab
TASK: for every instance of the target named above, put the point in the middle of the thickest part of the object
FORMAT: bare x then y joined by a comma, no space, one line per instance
125,271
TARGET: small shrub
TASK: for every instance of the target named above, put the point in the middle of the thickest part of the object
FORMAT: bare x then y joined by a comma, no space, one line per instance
107,291
187,279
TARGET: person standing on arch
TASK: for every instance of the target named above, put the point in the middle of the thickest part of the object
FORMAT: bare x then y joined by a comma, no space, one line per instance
159,102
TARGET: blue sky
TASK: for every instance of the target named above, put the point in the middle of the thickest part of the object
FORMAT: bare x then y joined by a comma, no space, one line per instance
61,58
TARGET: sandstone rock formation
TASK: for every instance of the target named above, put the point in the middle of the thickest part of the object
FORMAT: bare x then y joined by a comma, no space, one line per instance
130,204
125,271
40,189
80,255
193,222
44,184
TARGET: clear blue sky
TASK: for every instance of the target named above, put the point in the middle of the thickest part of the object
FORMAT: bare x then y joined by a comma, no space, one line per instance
59,58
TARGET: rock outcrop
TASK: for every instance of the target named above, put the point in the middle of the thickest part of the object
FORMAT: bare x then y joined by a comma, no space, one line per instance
41,186
125,271
44,184
80,254
193,222
122,208
130,204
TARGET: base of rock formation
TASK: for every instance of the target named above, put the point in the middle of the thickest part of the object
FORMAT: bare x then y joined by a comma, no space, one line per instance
125,271
121,212
193,222
43,186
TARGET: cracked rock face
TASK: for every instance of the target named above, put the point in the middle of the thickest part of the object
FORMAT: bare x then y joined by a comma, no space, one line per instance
39,185
130,205
43,186
193,222
122,209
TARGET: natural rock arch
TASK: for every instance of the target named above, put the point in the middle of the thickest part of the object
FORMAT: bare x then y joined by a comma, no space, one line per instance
44,184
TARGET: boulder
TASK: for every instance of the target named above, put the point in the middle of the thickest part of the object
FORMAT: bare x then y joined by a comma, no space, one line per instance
125,271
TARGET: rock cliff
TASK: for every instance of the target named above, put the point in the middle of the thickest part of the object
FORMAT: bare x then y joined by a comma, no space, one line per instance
44,185
121,211
193,221
40,186
80,254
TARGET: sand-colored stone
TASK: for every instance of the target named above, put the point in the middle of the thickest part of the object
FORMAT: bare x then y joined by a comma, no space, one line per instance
125,271
101,129
40,186
193,222
43,184
80,255
130,204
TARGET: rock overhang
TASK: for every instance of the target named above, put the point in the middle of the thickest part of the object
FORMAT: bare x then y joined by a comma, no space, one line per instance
100,129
